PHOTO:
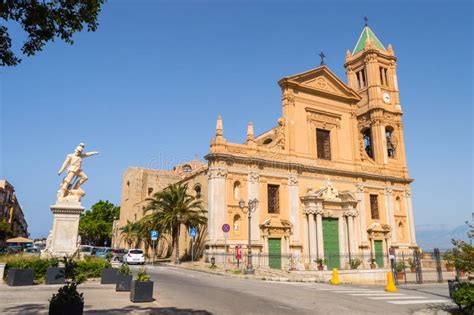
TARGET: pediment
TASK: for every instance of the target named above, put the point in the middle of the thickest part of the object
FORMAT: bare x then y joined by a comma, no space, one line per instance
323,80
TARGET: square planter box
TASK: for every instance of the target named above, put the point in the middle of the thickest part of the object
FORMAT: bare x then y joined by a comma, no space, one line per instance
124,282
109,276
18,277
70,309
141,291
55,275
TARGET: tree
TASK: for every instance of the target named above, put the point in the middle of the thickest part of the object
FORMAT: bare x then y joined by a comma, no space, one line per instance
172,207
129,232
43,21
95,226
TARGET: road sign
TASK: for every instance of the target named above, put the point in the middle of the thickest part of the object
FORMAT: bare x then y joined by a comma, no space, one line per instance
154,235
193,232
225,228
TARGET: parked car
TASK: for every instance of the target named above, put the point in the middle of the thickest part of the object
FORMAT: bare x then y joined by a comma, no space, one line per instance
135,256
118,254
86,250
102,252
33,251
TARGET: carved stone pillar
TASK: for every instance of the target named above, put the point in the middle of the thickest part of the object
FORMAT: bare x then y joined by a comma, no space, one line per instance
390,214
352,246
319,233
410,219
294,207
306,237
216,203
254,192
343,250
361,207
312,237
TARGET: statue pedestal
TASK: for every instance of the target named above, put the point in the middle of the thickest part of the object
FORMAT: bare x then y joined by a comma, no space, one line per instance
63,239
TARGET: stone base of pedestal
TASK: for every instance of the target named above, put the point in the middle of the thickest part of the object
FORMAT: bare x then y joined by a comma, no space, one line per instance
63,239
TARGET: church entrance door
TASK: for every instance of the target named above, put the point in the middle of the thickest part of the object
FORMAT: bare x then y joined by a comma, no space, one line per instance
274,253
378,253
331,242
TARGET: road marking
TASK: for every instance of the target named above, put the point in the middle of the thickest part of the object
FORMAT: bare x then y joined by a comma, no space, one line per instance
418,302
357,291
396,297
377,294
343,290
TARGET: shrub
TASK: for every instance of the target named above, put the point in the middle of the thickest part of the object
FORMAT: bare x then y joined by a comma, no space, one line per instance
142,276
90,267
68,294
400,266
124,270
464,297
355,263
30,262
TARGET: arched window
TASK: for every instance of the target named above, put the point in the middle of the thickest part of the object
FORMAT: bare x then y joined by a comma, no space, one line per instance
150,191
187,168
236,224
390,142
368,143
267,141
237,190
197,190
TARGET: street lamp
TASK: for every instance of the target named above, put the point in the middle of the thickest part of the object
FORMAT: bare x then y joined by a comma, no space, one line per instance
252,206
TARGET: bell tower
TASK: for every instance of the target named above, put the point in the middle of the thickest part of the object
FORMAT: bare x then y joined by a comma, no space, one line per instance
371,71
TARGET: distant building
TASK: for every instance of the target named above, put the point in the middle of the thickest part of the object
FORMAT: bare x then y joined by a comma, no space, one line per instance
12,218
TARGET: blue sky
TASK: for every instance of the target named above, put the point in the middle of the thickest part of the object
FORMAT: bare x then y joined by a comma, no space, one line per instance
145,90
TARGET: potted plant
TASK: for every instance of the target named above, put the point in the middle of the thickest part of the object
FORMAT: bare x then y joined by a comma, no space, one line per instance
19,276
108,275
355,263
412,265
124,278
68,300
373,265
400,267
320,263
142,288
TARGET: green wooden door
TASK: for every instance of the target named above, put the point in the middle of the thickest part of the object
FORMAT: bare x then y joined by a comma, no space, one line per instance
274,253
378,253
331,242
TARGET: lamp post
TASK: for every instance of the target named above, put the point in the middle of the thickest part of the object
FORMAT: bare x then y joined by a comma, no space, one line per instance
252,206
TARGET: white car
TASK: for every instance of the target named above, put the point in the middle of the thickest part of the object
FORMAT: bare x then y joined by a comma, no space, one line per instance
135,256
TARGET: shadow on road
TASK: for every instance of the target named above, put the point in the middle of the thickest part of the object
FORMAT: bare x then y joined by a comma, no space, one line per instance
41,308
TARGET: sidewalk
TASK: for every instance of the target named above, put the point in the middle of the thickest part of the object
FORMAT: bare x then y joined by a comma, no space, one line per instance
98,299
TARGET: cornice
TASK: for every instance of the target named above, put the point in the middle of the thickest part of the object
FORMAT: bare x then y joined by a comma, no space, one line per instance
309,168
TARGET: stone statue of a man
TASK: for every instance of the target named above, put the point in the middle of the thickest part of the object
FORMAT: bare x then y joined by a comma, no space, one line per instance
75,177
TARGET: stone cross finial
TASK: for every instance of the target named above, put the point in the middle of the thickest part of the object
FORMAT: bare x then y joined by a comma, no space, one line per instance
219,127
366,20
322,55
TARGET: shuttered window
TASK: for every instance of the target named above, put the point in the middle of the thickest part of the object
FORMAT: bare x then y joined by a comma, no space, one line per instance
273,199
323,142
374,207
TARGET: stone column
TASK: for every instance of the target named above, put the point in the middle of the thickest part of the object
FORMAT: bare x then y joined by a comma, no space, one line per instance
306,237
342,239
410,219
294,207
361,207
312,237
390,213
254,192
216,203
319,230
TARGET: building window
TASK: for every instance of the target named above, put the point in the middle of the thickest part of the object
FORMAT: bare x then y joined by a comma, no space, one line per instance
273,199
197,190
237,194
390,142
150,191
187,168
361,79
383,76
267,141
374,206
323,142
368,145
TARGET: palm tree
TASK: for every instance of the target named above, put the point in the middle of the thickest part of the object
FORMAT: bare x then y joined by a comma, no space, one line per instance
174,206
129,232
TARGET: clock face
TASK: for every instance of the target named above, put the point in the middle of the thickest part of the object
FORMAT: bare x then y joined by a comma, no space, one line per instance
386,97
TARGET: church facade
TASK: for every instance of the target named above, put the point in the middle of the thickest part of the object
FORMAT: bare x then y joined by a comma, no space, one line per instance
330,178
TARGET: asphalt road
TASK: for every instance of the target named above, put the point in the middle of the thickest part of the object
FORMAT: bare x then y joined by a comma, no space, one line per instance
187,291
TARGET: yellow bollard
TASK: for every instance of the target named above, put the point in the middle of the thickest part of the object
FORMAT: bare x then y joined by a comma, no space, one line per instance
390,283
335,277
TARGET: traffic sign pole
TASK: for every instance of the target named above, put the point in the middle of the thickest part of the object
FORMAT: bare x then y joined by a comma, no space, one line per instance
154,237
225,251
192,249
